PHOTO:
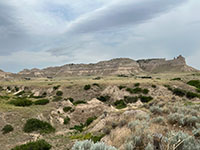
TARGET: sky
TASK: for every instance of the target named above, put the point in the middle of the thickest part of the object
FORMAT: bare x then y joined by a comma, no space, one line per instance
43,33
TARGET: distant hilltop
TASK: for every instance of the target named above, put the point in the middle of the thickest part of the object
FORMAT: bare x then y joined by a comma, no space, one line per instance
117,66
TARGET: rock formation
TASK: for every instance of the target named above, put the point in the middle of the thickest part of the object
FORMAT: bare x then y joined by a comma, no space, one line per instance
118,66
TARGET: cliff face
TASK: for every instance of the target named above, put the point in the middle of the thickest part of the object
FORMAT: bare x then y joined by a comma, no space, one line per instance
117,66
162,65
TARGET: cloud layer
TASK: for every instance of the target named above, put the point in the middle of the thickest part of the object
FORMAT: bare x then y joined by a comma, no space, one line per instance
47,33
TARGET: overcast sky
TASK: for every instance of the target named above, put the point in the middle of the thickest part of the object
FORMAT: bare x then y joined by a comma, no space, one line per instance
42,33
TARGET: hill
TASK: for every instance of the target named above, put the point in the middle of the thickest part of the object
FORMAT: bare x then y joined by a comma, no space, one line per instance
118,66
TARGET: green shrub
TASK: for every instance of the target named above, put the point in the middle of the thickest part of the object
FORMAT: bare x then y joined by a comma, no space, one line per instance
130,99
87,123
96,84
137,90
120,104
195,83
87,87
121,87
146,77
169,87
41,102
191,95
78,127
59,93
20,93
134,91
5,97
104,98
90,120
7,128
96,139
71,99
198,90
66,109
16,89
9,88
145,91
145,99
153,86
79,102
122,76
66,120
38,145
81,136
56,87
176,79
21,102
137,84
37,125
57,98
179,92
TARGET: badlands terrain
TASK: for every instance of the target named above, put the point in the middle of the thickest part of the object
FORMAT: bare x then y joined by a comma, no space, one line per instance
119,104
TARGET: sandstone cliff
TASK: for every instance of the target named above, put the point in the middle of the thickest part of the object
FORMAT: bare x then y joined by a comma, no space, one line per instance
116,66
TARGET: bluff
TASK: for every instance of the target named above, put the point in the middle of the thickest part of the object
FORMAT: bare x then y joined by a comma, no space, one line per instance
116,66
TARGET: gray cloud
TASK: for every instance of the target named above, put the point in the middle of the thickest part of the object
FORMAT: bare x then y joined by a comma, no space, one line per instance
13,36
125,12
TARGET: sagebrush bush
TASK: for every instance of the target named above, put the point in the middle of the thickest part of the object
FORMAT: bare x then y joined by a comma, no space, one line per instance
37,125
7,129
159,120
183,120
176,118
90,145
156,110
41,102
38,145
22,102
87,87
149,147
188,142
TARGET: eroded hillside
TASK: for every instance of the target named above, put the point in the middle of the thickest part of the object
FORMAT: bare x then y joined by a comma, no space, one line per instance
136,112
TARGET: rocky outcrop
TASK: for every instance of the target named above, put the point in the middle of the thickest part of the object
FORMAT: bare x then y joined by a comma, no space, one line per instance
162,65
118,66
